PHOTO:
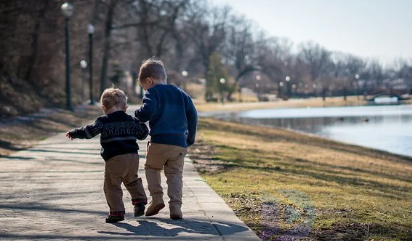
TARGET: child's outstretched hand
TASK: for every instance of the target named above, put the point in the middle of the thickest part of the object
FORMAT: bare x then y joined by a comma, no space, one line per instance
69,136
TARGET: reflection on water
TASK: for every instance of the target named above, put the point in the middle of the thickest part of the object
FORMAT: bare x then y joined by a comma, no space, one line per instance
386,128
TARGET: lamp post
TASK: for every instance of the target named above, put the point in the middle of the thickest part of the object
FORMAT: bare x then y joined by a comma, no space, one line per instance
314,89
184,74
90,30
356,86
281,89
67,10
258,78
222,82
287,87
83,66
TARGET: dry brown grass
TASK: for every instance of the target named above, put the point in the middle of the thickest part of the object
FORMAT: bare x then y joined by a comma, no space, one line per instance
359,193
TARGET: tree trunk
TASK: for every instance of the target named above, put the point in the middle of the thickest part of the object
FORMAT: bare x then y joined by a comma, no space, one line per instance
34,43
208,81
344,93
134,80
241,73
106,47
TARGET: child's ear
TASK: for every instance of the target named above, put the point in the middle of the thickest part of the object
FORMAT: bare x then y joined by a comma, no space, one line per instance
125,108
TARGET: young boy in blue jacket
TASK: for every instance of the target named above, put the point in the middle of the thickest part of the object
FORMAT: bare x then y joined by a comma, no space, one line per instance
173,121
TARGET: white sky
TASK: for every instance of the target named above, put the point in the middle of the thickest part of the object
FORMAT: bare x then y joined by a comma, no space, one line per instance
367,28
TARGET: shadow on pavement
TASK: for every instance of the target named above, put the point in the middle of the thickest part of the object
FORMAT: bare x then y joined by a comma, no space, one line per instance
16,158
151,227
148,229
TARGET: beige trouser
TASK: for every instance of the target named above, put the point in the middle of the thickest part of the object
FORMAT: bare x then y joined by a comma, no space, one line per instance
122,168
171,158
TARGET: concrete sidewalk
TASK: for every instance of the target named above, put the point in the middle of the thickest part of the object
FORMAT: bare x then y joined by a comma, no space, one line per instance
55,191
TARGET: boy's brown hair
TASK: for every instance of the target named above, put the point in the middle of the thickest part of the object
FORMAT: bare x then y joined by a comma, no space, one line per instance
153,68
113,97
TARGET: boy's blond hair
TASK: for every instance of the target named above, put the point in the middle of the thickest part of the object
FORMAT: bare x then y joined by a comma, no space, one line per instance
113,97
153,68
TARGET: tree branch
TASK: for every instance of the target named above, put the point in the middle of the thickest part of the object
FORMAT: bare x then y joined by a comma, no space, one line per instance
141,24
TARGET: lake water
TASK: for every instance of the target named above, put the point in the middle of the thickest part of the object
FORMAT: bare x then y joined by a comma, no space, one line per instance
387,128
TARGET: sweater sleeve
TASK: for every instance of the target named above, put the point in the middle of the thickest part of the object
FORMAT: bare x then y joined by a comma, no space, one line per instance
88,131
149,107
141,130
191,115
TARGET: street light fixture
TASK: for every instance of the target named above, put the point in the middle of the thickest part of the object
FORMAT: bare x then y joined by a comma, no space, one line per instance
83,66
258,78
184,74
280,90
90,30
67,10
287,86
356,86
314,88
222,82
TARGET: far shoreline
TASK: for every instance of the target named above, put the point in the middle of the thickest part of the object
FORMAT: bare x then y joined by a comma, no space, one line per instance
208,107
224,115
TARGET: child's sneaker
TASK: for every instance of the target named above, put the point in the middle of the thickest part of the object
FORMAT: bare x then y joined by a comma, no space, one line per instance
155,207
115,216
114,219
139,209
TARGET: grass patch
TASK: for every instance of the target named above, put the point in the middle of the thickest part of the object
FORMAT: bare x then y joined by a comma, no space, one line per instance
359,193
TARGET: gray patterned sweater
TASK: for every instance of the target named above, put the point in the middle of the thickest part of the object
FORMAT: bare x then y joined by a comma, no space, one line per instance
119,132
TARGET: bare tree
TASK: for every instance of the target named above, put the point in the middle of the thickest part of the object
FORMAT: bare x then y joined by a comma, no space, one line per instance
338,71
238,50
275,60
376,73
316,59
403,68
208,31
110,15
354,68
157,22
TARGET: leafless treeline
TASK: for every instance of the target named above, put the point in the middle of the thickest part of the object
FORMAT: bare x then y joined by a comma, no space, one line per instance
208,42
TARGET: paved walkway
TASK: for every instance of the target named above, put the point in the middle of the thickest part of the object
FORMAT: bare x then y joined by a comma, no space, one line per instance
55,191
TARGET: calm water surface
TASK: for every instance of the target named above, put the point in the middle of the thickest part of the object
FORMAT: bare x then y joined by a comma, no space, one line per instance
387,128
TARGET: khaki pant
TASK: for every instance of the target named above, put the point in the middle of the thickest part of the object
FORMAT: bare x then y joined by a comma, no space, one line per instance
171,159
123,168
